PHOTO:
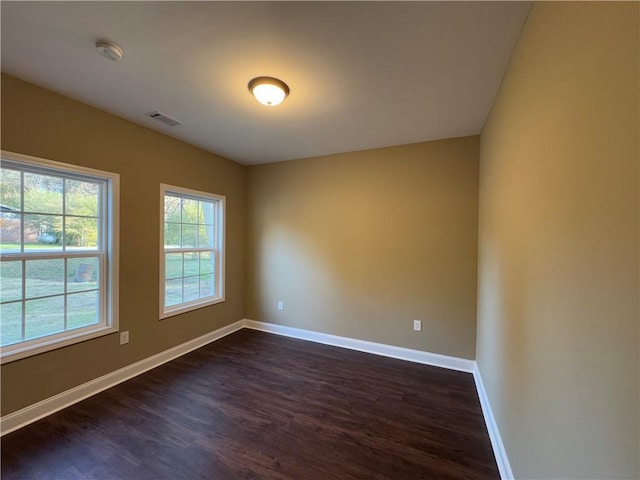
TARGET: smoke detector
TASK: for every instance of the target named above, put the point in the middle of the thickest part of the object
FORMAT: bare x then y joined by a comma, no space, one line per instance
109,50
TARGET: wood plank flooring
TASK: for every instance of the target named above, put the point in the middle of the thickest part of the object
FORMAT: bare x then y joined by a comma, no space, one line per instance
258,406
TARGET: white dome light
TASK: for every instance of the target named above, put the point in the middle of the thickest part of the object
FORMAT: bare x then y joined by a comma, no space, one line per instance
268,90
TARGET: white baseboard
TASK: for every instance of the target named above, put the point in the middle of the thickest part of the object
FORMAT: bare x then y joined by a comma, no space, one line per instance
492,427
417,356
30,414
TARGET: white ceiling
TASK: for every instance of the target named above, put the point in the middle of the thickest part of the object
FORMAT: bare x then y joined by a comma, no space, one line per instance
362,74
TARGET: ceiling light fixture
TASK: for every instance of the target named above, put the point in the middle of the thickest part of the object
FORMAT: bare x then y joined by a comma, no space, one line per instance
109,50
268,90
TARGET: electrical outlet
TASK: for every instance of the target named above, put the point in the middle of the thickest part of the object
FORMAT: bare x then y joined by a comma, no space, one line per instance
124,337
280,305
417,325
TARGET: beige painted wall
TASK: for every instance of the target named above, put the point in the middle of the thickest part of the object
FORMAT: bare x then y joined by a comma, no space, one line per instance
360,244
41,123
558,311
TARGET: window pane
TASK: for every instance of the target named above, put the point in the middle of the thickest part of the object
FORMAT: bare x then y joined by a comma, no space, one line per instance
47,208
173,265
191,289
189,211
206,285
82,309
82,274
206,262
172,292
81,198
194,233
44,316
172,235
172,209
42,194
42,232
10,323
205,235
44,277
206,212
81,233
10,190
10,232
10,281
191,264
189,233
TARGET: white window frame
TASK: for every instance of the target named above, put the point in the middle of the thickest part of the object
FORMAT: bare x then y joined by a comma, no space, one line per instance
108,253
218,250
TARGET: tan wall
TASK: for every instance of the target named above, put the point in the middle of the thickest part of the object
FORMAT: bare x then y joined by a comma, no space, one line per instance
558,312
40,123
360,244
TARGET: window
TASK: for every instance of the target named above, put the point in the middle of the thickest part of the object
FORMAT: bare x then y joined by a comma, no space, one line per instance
58,254
192,250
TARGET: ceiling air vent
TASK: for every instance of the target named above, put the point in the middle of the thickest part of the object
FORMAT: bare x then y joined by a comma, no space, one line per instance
161,117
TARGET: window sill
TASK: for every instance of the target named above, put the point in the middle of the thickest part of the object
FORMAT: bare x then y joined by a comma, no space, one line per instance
188,307
12,353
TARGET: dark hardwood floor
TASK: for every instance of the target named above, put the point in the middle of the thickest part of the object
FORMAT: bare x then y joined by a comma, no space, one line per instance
259,406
